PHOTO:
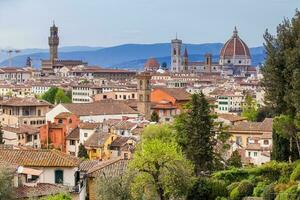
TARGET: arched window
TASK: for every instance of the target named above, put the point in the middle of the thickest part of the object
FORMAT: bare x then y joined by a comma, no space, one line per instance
174,51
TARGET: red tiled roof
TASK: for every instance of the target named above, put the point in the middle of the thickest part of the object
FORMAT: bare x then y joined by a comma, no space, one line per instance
38,158
27,101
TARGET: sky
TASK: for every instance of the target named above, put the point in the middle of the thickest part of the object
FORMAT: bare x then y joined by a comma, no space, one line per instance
25,23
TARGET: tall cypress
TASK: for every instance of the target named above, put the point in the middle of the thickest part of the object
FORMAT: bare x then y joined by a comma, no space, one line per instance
195,133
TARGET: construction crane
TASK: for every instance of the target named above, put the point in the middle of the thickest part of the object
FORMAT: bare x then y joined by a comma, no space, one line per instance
9,53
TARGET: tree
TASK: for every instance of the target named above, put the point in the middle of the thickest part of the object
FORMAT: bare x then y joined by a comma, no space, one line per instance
82,152
116,188
235,160
61,97
282,75
154,117
50,95
250,109
6,183
1,135
60,196
160,171
195,133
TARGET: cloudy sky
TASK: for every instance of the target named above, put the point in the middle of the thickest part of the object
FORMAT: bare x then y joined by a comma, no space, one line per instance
25,23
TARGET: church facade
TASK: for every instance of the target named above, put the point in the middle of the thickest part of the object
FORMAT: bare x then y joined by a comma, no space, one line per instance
235,59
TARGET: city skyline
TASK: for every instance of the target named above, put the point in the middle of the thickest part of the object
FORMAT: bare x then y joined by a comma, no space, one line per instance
103,23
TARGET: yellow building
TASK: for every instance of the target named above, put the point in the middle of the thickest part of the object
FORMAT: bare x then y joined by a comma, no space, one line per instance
98,143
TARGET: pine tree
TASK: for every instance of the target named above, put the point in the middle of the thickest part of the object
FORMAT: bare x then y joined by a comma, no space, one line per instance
282,81
82,152
195,133
154,117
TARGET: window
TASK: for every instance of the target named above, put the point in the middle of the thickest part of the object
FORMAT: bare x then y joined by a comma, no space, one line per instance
266,142
72,142
39,112
255,154
35,137
238,140
249,154
85,134
60,121
70,121
59,176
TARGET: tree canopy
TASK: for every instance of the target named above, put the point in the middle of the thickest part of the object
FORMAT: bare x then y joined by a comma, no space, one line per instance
57,95
282,79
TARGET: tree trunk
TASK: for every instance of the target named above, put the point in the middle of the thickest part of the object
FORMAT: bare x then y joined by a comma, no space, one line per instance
291,149
298,146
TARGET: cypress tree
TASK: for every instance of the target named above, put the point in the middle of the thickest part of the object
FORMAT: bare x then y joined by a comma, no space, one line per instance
195,133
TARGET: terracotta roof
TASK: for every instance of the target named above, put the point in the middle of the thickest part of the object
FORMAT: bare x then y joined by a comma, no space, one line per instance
63,115
89,125
38,190
257,127
231,117
86,165
177,93
25,129
112,167
235,47
124,125
73,135
120,141
38,158
97,139
254,146
27,101
99,108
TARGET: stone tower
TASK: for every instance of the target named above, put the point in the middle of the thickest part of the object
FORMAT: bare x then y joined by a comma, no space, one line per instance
185,60
144,92
53,41
176,55
208,62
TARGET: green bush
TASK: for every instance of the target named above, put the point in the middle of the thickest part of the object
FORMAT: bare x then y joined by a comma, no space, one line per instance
292,193
269,192
245,188
208,189
232,186
295,174
259,189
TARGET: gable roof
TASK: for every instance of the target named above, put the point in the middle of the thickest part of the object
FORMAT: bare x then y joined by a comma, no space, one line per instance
27,101
38,158
112,167
258,127
178,93
99,108
23,129
74,134
97,139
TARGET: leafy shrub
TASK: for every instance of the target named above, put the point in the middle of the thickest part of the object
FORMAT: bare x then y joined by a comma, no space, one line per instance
292,193
232,186
259,189
269,192
208,189
295,174
245,188
280,187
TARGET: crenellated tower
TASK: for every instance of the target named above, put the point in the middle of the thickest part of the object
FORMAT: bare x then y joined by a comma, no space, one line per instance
53,41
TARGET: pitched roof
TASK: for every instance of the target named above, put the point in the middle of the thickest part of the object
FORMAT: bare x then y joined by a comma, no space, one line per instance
96,139
86,165
99,108
25,129
257,127
177,93
112,167
38,190
27,101
120,141
74,134
89,125
63,115
38,158
231,117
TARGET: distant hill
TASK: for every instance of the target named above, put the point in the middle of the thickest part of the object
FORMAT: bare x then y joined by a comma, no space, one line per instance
130,56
